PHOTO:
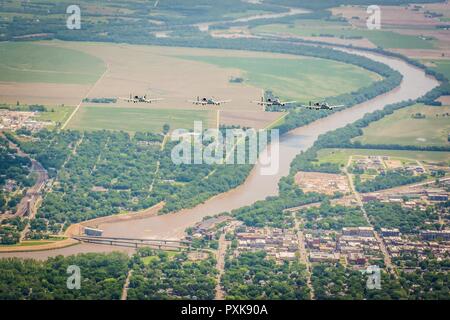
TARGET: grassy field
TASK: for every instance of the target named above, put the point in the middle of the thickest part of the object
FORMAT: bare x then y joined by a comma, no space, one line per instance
149,259
55,114
139,119
401,128
340,156
31,62
302,79
384,39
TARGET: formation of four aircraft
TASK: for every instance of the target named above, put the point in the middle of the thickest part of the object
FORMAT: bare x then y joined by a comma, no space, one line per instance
213,101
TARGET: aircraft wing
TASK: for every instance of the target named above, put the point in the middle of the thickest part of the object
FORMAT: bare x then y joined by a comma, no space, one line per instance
288,102
153,99
197,102
222,101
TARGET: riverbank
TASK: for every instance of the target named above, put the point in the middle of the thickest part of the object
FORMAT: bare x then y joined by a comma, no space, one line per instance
77,229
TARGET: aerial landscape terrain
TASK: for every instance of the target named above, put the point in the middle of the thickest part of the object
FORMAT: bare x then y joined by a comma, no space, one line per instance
108,110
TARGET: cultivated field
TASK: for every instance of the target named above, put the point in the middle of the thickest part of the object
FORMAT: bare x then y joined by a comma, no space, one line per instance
30,62
175,74
33,73
300,78
57,114
341,156
139,119
392,16
401,128
381,38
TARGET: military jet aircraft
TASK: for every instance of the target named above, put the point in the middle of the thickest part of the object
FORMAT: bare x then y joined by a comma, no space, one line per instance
206,101
321,106
140,99
273,102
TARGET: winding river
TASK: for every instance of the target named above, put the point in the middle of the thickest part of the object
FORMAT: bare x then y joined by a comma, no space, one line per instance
257,187
291,11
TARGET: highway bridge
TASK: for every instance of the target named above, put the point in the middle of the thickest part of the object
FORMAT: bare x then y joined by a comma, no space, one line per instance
160,244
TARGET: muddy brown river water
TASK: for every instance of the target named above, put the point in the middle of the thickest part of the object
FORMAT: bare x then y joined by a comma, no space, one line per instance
257,187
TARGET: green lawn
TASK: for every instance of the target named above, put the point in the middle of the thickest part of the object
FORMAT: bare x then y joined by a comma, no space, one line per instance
340,156
302,79
31,62
56,114
149,259
381,38
138,119
401,128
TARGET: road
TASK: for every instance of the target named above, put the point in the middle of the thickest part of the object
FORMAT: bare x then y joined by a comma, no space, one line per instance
387,258
29,204
303,255
220,266
220,256
85,96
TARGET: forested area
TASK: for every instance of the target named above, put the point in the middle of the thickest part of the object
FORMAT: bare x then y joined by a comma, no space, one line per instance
102,277
392,215
387,180
335,282
251,276
424,279
47,147
10,230
104,172
307,161
328,217
159,276
14,176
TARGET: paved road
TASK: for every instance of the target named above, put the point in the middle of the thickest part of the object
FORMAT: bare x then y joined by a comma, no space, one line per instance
387,258
303,255
220,266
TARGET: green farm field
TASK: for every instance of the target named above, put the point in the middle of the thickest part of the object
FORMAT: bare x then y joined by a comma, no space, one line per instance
302,79
340,156
384,39
31,62
56,114
139,119
401,128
